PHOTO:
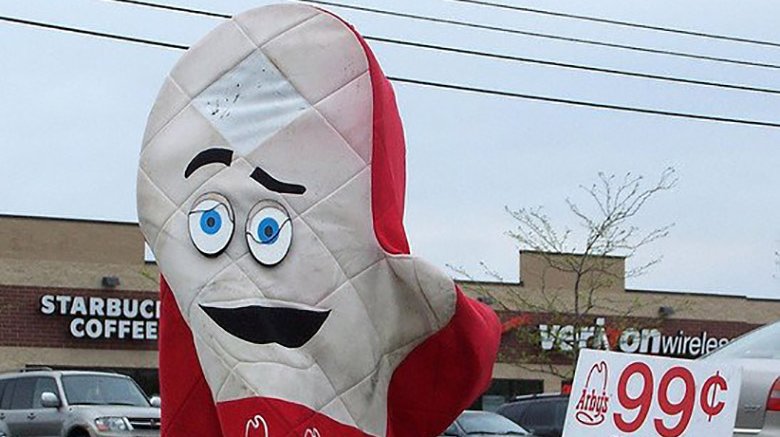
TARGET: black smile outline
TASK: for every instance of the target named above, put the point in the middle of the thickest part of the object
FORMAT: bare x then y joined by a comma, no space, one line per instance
289,327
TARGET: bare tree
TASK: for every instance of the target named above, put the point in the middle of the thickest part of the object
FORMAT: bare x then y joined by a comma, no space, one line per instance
585,256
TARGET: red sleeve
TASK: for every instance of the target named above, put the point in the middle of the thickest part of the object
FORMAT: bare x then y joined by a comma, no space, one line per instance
187,406
444,375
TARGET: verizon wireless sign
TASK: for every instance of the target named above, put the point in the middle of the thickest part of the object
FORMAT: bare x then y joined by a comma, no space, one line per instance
632,340
617,394
111,318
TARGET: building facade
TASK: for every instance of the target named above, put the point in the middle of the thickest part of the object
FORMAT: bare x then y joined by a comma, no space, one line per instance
79,294
541,326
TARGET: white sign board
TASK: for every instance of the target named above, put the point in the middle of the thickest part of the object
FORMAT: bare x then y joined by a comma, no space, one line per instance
618,394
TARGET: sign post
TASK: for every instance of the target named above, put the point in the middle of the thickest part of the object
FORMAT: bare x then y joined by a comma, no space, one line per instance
616,395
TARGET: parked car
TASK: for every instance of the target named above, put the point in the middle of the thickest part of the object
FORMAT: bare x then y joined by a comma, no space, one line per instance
4,430
483,423
51,403
758,352
541,414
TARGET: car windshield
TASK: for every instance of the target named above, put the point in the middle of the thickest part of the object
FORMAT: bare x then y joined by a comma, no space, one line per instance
480,422
102,390
761,343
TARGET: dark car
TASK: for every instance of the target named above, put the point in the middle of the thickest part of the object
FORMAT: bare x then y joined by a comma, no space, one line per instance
483,423
541,414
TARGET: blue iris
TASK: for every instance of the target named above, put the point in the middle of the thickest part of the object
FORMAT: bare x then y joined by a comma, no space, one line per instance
210,222
268,230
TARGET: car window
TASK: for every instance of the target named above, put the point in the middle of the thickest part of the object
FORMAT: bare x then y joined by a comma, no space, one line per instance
513,411
3,383
560,412
539,414
23,394
103,390
761,343
5,401
479,422
43,385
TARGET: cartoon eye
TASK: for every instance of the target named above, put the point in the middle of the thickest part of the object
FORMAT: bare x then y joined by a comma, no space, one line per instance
269,232
211,224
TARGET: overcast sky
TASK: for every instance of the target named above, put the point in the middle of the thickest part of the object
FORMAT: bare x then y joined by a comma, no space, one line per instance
74,109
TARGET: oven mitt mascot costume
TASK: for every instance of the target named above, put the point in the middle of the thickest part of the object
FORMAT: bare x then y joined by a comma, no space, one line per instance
271,191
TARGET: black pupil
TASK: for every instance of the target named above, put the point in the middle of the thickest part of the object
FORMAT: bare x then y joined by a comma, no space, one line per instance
210,221
268,231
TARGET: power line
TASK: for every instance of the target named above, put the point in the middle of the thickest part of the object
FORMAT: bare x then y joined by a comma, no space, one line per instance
572,66
620,23
174,8
543,35
475,26
584,103
419,82
493,55
93,33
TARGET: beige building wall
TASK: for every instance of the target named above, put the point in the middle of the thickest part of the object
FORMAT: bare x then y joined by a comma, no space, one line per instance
73,254
12,358
546,289
546,286
46,252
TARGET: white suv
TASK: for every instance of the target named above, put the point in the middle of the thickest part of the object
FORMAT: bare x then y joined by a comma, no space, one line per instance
46,403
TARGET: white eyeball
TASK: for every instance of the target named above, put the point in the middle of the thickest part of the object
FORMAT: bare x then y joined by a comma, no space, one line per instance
269,232
211,224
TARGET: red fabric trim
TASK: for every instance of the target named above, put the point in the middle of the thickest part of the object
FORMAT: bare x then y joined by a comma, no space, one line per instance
281,418
446,374
188,408
388,158
388,163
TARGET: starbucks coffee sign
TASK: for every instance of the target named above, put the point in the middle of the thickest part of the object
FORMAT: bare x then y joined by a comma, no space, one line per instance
109,318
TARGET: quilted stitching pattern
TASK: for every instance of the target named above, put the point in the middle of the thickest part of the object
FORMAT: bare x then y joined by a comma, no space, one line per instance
332,222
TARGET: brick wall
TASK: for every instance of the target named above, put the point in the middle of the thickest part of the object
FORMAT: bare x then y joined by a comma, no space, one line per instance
23,324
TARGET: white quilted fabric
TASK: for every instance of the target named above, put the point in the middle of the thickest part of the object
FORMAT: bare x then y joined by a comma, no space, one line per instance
287,88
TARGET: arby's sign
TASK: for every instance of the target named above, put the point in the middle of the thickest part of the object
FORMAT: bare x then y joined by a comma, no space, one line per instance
618,394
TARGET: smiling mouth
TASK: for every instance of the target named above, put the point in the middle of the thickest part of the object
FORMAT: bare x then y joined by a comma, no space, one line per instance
289,327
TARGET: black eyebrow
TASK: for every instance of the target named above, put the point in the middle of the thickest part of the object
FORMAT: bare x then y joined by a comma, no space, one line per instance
273,184
209,156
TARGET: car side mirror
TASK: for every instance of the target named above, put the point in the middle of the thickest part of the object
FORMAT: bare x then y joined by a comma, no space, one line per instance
50,400
155,401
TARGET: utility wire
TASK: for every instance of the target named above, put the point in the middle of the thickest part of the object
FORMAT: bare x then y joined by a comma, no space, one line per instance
173,8
474,26
583,103
493,55
441,85
619,23
93,33
543,35
572,66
